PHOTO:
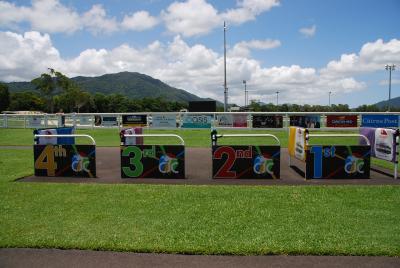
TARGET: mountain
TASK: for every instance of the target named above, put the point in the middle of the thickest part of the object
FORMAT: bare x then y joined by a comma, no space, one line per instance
394,102
133,85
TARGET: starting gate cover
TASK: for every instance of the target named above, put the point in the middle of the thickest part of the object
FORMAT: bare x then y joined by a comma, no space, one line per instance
65,160
246,162
153,161
338,162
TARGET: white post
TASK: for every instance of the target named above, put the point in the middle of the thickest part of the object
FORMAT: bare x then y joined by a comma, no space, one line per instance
396,157
5,121
74,120
45,120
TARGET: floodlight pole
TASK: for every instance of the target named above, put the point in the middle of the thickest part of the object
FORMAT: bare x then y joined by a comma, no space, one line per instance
277,98
225,86
330,92
245,93
390,68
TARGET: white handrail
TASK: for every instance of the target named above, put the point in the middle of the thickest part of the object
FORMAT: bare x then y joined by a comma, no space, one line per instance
66,136
156,135
249,135
338,135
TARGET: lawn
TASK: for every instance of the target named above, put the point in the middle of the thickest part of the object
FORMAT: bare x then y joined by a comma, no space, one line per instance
243,220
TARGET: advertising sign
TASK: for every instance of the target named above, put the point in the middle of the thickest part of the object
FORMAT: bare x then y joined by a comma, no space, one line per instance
338,162
383,142
134,120
164,121
379,120
341,120
305,121
239,120
196,121
246,162
297,143
224,120
105,121
65,160
153,161
54,131
267,121
131,140
85,120
35,121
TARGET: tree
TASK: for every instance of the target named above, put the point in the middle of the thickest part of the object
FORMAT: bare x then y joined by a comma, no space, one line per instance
4,97
26,101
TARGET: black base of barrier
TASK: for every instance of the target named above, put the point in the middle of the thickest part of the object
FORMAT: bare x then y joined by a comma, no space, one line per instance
65,160
338,162
246,162
153,161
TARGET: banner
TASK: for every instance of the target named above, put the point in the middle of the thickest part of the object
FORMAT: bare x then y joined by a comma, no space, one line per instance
305,121
383,142
105,121
54,131
338,162
246,162
65,160
196,121
153,161
341,120
164,121
267,121
84,120
224,120
131,140
380,120
134,120
35,121
239,120
297,143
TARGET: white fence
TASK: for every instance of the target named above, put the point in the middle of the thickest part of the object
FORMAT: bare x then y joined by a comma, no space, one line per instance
87,120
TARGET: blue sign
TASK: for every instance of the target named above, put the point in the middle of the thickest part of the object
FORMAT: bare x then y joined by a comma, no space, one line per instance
379,120
196,121
55,140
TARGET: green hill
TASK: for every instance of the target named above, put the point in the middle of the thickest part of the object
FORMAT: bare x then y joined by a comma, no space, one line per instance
394,103
133,85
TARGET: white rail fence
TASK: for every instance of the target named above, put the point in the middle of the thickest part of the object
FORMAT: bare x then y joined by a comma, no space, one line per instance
88,120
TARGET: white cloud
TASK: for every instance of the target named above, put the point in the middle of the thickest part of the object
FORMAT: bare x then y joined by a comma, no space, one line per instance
243,48
195,68
193,17
308,32
247,10
52,16
372,57
96,21
139,21
198,17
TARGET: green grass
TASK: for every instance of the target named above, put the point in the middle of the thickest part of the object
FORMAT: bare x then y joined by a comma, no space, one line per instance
242,220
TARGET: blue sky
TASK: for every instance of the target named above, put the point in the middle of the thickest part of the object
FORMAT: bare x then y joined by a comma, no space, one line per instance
303,48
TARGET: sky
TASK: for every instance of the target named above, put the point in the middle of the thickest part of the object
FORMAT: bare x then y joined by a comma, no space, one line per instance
302,48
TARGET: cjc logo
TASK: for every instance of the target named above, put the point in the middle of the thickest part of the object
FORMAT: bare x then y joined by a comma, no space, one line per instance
354,164
168,164
80,163
263,165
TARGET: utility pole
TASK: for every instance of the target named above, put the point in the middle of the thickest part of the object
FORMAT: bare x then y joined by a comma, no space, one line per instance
390,68
225,85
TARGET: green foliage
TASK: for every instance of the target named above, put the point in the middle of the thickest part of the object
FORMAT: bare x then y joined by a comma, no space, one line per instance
4,97
26,101
270,107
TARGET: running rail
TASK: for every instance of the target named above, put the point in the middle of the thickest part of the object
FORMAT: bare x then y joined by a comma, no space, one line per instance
250,135
67,136
156,135
337,135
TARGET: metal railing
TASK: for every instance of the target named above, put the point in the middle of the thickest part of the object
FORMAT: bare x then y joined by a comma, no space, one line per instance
66,136
336,135
250,135
157,135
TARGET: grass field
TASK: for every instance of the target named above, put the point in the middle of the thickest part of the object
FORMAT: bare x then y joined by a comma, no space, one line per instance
243,220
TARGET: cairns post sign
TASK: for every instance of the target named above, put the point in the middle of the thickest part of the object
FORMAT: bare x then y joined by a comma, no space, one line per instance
379,120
